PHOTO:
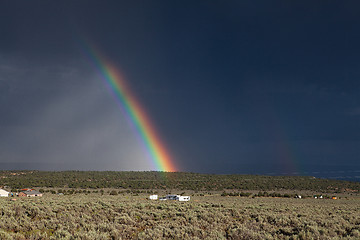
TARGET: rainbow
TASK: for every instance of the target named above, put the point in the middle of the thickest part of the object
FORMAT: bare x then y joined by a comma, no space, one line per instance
159,155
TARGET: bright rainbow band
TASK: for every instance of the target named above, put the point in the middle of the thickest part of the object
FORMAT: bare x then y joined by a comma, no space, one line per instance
135,112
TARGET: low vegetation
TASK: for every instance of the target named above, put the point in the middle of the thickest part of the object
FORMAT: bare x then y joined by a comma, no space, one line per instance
124,216
178,180
114,205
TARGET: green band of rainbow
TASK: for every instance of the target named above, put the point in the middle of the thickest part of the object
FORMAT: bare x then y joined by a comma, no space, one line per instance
135,112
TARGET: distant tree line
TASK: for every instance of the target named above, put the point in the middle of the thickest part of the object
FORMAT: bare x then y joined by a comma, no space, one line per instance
169,180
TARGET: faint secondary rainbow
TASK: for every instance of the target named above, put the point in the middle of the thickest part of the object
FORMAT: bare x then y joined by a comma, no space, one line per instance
155,148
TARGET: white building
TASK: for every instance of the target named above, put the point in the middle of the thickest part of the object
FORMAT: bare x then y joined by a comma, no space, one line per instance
176,197
184,198
172,197
153,197
4,193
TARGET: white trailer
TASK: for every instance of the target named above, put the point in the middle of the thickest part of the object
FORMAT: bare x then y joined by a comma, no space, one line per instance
176,198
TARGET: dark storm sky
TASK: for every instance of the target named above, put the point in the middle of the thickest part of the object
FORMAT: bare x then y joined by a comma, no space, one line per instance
231,86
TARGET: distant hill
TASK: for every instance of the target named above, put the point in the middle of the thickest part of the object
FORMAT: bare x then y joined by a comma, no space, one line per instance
164,180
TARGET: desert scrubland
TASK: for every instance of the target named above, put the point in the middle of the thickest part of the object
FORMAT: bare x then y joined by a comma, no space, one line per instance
125,216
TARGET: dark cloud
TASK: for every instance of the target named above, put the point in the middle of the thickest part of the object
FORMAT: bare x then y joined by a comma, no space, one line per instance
226,84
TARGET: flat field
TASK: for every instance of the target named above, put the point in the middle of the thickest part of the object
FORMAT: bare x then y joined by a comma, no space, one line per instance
96,216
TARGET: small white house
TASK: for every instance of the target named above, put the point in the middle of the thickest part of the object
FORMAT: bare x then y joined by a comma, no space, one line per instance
4,193
153,197
184,198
